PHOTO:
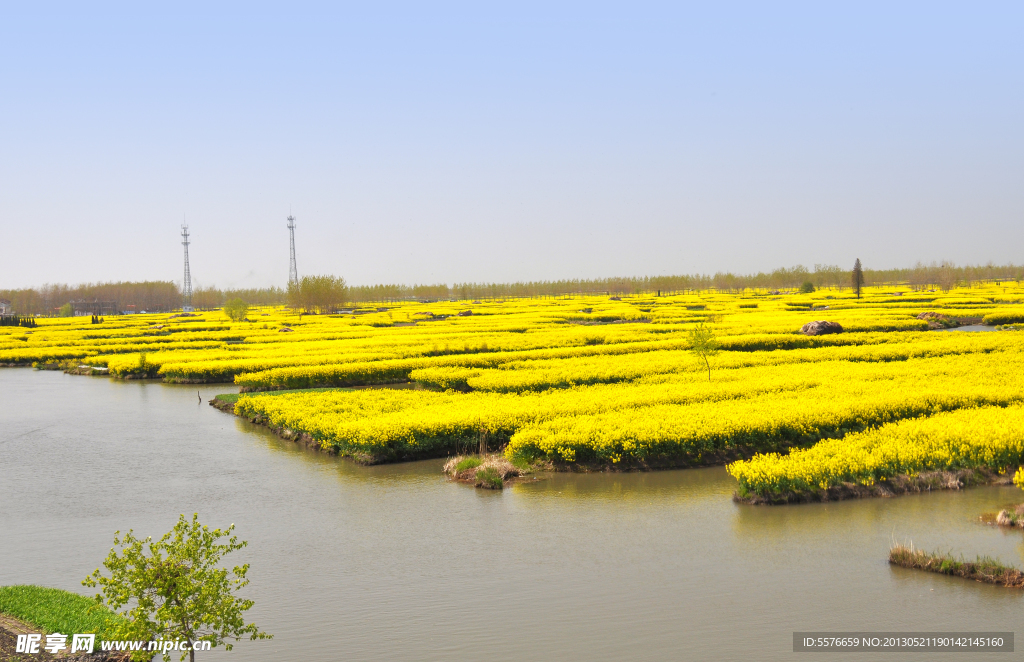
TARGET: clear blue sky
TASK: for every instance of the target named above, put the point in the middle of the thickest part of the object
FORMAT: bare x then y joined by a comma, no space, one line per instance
454,142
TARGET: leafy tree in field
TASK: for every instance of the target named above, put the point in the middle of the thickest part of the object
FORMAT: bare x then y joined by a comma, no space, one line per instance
236,309
144,366
67,310
807,287
703,344
323,294
177,590
858,277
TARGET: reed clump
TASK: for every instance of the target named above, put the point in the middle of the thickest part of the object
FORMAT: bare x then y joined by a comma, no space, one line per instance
1011,518
491,471
982,569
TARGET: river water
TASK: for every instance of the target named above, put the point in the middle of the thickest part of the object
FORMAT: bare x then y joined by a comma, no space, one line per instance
395,563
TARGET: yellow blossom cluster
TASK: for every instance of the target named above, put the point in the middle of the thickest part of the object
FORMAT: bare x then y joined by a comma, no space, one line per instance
985,437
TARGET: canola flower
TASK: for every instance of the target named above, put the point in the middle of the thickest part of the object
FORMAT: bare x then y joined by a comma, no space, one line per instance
676,418
573,380
985,437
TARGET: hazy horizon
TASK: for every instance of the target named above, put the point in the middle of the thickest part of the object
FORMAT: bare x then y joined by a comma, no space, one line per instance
458,143
742,275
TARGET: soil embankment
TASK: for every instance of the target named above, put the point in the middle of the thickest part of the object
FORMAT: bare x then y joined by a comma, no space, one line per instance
226,403
896,486
223,404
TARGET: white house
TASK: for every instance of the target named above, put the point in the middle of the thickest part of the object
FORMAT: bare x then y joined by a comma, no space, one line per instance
5,307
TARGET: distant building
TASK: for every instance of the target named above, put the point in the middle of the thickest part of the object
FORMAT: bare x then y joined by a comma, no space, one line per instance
94,307
5,307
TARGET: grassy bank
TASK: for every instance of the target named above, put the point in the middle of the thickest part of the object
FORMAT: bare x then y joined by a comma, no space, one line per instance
887,487
983,569
228,398
55,610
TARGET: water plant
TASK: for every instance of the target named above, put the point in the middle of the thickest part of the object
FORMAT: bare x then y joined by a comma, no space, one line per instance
982,569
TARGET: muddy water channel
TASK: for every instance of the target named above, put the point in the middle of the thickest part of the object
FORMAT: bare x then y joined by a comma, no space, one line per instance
396,563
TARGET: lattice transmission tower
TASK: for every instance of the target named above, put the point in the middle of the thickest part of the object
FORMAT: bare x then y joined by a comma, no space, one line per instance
186,284
293,271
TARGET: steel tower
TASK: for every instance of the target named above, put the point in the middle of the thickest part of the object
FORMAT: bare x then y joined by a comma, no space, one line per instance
293,271
186,284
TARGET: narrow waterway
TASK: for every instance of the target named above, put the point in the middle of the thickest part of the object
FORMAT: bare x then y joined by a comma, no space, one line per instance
395,563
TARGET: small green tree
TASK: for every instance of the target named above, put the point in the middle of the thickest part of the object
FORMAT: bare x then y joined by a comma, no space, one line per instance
704,344
236,309
177,590
807,287
858,277
67,310
144,366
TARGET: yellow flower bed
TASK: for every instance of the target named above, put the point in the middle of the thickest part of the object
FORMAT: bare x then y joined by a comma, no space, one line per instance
580,379
984,437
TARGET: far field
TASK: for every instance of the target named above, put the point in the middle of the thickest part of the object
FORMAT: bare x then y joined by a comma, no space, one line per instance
597,383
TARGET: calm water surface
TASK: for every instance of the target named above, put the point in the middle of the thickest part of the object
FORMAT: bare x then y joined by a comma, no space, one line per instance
970,328
396,563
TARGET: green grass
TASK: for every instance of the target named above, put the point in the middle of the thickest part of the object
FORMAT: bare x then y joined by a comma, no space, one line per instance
522,464
982,569
468,463
490,478
54,610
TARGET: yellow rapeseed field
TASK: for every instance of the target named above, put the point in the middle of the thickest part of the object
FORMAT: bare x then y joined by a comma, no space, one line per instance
605,382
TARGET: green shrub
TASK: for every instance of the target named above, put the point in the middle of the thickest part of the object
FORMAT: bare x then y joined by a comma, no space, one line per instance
236,309
67,310
807,287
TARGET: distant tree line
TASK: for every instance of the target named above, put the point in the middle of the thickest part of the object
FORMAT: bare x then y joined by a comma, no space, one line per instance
152,296
944,276
328,293
209,298
49,299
